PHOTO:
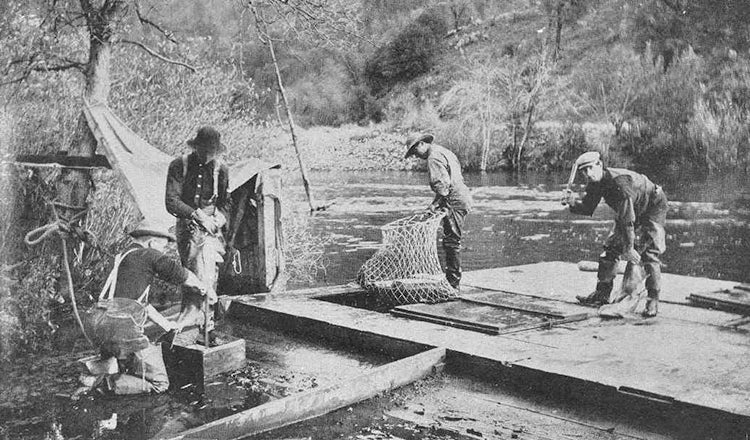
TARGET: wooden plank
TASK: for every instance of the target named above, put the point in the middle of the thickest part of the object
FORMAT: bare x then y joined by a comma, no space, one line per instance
562,281
525,303
96,161
471,316
695,364
545,324
450,323
735,300
317,402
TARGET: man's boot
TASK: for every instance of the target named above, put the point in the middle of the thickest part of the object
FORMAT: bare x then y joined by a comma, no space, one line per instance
652,307
606,273
597,297
453,267
653,285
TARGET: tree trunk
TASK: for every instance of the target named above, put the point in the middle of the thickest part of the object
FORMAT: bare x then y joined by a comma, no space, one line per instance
526,131
487,129
558,31
73,186
282,92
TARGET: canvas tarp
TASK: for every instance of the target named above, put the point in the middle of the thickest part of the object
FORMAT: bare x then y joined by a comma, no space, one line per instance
143,168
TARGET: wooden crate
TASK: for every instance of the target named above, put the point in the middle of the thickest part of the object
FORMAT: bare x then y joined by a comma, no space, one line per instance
191,363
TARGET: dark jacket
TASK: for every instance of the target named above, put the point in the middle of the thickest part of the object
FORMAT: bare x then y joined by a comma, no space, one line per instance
139,268
630,195
196,190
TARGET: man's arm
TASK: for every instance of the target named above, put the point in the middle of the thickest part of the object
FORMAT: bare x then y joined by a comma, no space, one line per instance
440,179
172,271
173,195
223,198
625,220
588,204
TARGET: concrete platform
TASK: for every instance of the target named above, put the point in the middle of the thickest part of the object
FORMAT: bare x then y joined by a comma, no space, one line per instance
685,358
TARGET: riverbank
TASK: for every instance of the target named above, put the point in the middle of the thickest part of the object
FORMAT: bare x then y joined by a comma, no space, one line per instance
345,148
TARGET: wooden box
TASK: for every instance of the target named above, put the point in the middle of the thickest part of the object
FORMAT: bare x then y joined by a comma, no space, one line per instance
191,363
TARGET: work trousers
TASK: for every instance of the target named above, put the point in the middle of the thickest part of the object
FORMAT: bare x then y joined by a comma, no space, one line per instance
145,373
453,224
650,244
202,253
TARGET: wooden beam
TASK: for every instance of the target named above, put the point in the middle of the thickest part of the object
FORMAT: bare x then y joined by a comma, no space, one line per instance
317,402
96,161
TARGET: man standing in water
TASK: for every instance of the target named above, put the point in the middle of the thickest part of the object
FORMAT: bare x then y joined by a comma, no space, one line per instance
197,195
640,207
451,195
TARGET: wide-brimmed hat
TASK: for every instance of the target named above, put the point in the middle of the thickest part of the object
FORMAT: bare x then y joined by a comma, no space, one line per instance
413,140
147,229
587,159
208,137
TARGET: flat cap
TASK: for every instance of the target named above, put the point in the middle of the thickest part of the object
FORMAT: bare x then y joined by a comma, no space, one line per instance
148,229
587,159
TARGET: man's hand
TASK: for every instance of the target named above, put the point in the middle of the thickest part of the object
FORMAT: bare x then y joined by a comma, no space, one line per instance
432,209
631,256
205,221
219,219
569,198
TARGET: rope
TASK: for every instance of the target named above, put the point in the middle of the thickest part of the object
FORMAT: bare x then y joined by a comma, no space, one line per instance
62,229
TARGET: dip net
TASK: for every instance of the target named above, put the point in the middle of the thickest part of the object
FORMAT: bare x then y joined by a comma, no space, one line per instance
406,269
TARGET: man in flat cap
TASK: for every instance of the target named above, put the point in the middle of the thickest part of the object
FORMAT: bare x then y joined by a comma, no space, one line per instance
197,194
641,208
451,195
126,293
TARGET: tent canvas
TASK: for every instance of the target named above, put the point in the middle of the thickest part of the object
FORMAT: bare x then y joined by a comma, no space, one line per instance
143,168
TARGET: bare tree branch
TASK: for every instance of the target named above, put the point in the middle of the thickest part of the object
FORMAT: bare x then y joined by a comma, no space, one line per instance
155,54
146,21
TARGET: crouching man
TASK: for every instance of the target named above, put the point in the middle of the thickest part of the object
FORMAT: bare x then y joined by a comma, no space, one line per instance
640,208
117,322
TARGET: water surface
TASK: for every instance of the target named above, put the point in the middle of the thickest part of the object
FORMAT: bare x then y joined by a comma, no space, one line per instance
519,220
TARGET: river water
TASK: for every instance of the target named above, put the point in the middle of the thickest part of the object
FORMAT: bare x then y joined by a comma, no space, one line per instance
519,220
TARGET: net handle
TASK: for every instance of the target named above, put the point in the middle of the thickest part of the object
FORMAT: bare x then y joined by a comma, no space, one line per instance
423,217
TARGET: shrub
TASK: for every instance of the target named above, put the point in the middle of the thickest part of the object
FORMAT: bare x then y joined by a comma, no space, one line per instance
409,55
719,126
556,148
363,107
659,139
26,298
321,99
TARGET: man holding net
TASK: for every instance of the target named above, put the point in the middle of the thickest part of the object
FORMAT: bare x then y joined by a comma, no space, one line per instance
451,195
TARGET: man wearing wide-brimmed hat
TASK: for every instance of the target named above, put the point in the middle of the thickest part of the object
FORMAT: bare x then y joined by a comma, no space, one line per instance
197,195
126,294
451,195
641,209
